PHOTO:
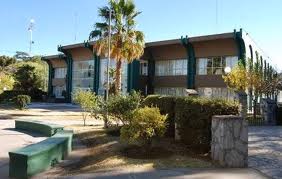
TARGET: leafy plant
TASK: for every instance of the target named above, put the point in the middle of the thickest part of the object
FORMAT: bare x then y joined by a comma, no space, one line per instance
127,43
21,101
88,102
121,106
145,124
166,105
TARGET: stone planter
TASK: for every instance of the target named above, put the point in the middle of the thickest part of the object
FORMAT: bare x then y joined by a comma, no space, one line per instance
229,146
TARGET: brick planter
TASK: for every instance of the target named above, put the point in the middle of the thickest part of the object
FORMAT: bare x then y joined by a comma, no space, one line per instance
229,146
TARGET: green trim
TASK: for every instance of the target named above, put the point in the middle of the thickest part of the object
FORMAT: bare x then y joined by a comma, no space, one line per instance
96,59
238,36
133,71
69,62
191,65
151,73
50,76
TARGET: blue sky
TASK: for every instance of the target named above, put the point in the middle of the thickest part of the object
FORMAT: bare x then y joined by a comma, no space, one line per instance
160,20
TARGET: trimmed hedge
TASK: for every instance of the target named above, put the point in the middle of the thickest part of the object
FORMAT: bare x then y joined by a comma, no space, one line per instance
166,105
193,117
35,94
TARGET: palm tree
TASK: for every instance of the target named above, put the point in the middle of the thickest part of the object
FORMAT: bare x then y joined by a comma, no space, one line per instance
127,43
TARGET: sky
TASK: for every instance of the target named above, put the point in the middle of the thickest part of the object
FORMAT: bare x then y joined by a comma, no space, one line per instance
62,22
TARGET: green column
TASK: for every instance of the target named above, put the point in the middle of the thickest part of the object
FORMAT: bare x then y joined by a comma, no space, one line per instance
50,76
238,36
151,74
96,73
69,62
133,71
191,65
96,59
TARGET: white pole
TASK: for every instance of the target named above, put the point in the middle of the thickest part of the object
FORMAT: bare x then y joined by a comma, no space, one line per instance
108,62
109,55
30,42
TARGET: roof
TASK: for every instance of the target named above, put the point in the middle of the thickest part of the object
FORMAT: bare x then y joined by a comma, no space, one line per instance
156,43
50,57
191,39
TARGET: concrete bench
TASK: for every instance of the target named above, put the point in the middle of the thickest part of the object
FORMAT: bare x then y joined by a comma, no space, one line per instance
35,158
38,126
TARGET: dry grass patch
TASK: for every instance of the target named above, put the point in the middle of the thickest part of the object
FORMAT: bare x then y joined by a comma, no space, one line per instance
106,152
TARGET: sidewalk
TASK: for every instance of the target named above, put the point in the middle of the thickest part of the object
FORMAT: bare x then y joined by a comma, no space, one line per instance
171,174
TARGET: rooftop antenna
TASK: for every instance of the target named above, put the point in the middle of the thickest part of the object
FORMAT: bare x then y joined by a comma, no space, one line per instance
75,26
216,16
30,29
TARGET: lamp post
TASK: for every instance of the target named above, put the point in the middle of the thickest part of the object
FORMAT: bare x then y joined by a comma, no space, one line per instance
108,64
109,55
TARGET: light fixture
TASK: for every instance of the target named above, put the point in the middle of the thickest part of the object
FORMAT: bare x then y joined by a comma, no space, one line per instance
227,69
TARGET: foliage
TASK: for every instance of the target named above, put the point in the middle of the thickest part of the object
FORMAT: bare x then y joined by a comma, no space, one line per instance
121,106
237,79
6,64
127,43
146,123
21,101
88,102
6,82
259,79
166,105
193,118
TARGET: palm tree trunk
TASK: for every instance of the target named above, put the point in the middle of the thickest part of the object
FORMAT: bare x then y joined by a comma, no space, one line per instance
118,76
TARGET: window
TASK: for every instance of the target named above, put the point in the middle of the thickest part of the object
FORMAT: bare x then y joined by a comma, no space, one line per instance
173,91
144,68
60,72
217,93
215,65
103,75
83,75
171,67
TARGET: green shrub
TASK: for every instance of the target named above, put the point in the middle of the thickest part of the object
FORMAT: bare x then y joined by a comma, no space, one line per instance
166,105
193,117
121,106
21,101
146,123
88,102
35,94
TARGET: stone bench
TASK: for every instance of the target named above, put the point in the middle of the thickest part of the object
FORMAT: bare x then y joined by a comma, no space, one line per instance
35,158
38,126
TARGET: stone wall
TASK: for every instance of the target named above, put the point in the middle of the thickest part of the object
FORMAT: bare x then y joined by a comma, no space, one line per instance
229,145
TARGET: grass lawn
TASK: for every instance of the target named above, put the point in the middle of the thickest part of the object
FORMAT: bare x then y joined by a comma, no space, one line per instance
106,152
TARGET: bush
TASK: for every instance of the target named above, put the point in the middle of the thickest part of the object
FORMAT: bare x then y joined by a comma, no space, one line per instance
193,117
88,102
145,124
121,106
166,105
35,94
21,101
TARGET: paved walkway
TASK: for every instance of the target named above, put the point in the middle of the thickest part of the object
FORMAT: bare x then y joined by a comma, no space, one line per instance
185,173
265,150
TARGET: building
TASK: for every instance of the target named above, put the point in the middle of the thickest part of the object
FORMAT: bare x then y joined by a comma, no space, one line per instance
167,67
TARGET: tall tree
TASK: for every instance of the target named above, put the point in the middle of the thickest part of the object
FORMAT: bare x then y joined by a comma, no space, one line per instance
127,43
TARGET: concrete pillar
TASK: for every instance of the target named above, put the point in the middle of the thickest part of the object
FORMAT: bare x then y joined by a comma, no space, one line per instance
229,145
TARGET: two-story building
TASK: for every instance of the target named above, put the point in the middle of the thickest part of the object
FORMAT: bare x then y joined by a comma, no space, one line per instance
167,67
